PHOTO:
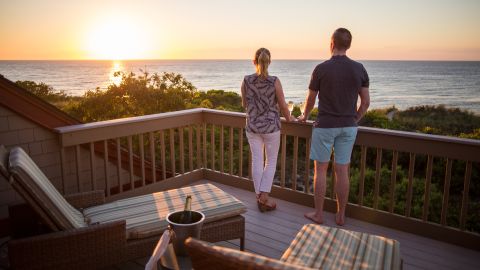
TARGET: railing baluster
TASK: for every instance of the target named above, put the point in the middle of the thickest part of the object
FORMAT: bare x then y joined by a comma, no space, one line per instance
221,149
119,165
105,165
378,168
428,179
92,166
446,191
78,167
230,150
307,165
163,159
283,160
249,163
393,180
181,152
204,145
151,141
199,144
212,144
142,157
130,162
411,170
295,163
240,154
466,190
363,163
190,148
172,151
64,170
333,178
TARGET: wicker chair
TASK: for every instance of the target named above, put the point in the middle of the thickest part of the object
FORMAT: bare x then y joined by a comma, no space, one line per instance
103,234
314,247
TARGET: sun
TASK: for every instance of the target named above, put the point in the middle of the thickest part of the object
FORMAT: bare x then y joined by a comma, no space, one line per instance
117,39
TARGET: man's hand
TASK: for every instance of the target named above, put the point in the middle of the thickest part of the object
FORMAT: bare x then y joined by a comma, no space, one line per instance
309,103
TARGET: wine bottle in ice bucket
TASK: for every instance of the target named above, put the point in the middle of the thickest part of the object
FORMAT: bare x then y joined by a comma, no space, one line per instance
186,216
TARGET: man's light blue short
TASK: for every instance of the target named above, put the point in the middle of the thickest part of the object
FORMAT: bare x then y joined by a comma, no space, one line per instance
342,140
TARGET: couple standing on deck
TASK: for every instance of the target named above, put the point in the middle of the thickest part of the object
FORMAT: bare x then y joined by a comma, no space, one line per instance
338,82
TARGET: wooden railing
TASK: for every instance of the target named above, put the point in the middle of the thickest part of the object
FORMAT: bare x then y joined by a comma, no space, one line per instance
139,155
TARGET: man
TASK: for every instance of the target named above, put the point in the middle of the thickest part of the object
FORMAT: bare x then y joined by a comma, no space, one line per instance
338,82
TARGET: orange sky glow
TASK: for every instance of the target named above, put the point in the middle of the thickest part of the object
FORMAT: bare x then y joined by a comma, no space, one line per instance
222,29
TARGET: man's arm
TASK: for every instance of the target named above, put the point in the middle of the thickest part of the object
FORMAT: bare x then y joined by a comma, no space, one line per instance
364,103
309,104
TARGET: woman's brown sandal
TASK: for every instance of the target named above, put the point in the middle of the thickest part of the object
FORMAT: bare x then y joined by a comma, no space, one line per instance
264,207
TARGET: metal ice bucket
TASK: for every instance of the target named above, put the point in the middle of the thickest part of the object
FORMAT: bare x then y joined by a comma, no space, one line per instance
183,231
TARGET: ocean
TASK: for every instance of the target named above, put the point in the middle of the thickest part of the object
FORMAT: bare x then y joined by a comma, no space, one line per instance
401,84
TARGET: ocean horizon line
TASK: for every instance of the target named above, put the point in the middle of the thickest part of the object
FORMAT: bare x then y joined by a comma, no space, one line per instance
226,59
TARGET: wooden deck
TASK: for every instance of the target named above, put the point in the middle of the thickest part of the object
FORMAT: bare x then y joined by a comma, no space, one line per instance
270,234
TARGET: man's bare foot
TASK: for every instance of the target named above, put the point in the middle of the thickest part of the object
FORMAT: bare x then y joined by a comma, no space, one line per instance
314,217
340,219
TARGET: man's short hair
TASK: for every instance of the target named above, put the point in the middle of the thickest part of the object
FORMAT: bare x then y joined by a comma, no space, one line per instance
342,39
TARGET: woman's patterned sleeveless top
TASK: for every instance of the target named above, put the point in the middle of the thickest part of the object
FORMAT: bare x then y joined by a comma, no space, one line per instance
263,114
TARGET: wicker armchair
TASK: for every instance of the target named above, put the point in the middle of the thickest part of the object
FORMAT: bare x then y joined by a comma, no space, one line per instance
91,239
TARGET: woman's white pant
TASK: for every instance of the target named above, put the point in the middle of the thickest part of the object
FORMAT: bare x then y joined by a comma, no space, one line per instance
263,173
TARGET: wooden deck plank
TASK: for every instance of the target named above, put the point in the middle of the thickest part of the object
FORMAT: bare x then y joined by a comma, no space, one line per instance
269,234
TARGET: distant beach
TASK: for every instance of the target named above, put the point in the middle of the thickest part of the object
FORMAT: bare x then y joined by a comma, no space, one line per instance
402,84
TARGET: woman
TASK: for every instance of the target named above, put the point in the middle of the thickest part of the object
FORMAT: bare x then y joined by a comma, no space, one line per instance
263,99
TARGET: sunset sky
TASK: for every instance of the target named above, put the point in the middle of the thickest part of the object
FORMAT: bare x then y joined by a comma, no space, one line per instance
224,29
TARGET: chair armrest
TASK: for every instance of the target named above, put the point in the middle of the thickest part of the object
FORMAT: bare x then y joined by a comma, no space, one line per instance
86,199
92,247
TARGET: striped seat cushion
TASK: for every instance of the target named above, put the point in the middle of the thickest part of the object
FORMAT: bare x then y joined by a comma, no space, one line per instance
227,258
146,215
4,162
324,247
39,191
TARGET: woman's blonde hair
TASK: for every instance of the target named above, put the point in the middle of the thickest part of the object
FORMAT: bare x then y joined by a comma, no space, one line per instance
262,60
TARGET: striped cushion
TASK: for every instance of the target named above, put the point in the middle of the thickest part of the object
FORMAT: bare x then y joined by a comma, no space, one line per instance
39,190
332,248
4,161
146,215
236,259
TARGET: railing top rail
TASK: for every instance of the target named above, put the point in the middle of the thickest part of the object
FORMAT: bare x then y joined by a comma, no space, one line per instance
123,121
419,136
375,137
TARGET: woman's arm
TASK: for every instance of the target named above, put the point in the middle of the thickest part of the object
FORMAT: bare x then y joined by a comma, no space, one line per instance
244,100
281,101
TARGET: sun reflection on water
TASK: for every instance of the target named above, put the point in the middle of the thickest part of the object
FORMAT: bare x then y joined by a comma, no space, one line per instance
117,66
